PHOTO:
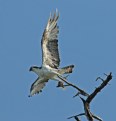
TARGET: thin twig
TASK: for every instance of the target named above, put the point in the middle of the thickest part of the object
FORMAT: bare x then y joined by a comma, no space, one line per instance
81,114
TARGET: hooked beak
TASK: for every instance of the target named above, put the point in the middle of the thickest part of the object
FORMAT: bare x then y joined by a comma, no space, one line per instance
30,69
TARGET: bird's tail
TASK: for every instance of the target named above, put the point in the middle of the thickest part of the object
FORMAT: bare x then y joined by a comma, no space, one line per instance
66,70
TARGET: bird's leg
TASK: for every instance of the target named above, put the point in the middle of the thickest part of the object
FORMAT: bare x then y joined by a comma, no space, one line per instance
61,83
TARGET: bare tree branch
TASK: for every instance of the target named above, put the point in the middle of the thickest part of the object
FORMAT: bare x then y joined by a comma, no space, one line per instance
75,117
98,89
96,117
82,92
86,103
81,114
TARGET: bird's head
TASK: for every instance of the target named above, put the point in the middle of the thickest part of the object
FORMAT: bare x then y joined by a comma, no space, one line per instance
34,68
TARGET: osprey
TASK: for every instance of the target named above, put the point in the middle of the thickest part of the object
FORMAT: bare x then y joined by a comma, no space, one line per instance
50,58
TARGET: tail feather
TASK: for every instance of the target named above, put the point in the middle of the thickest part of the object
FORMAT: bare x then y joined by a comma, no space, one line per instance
66,70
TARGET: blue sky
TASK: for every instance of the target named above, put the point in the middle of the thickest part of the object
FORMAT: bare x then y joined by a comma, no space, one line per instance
87,39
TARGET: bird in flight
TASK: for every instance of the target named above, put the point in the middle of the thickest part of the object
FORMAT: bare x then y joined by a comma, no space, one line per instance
50,58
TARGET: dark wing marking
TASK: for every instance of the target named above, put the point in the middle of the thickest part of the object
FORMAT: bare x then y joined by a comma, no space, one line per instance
49,43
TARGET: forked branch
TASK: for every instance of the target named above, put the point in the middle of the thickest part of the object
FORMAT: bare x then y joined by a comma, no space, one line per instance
86,103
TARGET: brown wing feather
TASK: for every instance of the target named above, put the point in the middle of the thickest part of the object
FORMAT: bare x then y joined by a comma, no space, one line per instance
50,43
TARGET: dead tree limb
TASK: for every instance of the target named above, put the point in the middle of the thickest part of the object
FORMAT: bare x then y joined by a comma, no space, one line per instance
86,103
98,89
76,118
80,91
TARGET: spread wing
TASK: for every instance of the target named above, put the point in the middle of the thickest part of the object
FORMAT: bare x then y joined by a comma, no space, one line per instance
49,43
37,86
